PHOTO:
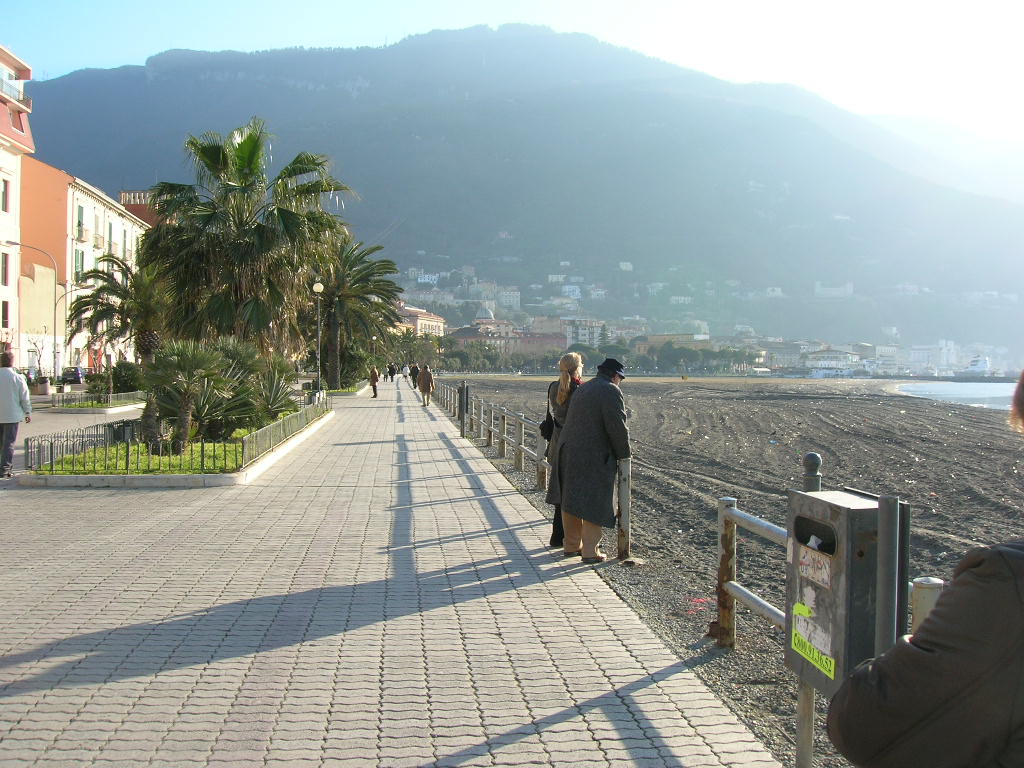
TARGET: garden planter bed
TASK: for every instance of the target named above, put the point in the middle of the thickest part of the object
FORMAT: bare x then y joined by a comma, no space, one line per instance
240,477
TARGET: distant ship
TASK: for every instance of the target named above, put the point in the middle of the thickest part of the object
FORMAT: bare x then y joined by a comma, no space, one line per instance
979,366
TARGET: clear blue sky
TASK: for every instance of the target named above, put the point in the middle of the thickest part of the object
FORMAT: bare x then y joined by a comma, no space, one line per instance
950,60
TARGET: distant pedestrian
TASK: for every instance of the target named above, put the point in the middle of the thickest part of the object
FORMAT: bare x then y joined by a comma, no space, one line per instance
391,371
570,372
414,375
425,383
374,378
405,372
593,440
15,405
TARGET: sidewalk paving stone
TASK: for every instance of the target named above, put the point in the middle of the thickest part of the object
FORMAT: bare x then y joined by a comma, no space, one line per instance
381,597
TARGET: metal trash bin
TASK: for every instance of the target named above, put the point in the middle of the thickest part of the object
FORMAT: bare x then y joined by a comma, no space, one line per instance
831,567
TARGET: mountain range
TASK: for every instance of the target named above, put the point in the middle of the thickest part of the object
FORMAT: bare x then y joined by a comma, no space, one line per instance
522,148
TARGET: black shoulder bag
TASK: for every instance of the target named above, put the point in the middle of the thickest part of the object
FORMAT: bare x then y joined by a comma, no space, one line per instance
547,427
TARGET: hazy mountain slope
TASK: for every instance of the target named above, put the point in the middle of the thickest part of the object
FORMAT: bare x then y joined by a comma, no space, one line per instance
528,144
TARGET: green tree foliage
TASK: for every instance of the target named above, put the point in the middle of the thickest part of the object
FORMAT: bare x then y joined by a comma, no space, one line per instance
359,303
236,247
128,377
212,390
185,373
125,303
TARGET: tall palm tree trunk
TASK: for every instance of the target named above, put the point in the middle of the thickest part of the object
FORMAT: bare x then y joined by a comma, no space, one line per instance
333,350
183,427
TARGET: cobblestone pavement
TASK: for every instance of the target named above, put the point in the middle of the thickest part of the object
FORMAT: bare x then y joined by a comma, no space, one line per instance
381,597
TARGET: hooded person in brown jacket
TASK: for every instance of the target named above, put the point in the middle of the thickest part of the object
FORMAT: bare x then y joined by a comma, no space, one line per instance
425,383
952,695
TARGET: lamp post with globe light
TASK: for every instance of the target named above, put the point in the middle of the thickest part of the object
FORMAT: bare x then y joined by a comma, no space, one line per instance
318,288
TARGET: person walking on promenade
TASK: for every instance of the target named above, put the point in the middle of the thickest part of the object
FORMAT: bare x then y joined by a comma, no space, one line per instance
374,378
559,392
593,439
391,371
425,382
414,376
951,695
405,373
15,405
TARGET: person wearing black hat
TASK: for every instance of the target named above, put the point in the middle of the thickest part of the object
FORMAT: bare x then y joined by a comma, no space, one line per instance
594,438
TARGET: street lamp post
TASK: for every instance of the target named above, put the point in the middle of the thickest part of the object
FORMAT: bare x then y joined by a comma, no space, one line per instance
55,299
318,288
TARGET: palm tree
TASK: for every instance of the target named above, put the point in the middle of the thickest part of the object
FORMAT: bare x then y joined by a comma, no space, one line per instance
188,372
125,303
360,302
237,247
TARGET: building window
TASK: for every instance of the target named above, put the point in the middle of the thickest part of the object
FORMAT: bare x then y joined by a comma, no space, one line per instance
5,314
5,196
5,260
79,264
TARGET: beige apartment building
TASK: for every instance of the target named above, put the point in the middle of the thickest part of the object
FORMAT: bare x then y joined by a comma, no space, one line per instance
71,225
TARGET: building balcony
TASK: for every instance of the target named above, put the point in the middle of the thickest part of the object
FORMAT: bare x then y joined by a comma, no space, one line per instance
15,94
82,234
97,241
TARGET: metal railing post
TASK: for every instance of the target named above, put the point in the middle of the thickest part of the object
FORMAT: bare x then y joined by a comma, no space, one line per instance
502,436
726,629
519,461
480,432
490,425
812,473
624,476
463,407
542,473
923,596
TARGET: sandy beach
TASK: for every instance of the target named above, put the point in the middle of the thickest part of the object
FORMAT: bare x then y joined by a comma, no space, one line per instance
696,440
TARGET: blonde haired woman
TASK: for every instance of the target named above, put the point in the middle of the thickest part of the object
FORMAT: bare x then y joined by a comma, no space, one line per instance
570,368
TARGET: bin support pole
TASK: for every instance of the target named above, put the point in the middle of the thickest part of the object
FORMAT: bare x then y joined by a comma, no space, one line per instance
804,725
887,586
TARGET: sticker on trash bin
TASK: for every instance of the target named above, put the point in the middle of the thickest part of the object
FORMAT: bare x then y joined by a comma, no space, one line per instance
816,566
812,641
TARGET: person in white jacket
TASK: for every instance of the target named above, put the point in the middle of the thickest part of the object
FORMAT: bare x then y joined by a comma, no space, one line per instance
15,405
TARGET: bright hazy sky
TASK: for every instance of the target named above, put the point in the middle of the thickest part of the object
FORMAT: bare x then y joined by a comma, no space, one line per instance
956,61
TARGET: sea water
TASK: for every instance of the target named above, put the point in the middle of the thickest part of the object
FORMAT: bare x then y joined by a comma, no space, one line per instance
977,394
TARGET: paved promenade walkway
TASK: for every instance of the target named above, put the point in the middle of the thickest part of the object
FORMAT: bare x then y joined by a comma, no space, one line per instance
381,597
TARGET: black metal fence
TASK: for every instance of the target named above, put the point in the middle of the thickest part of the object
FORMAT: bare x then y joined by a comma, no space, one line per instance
117,447
72,399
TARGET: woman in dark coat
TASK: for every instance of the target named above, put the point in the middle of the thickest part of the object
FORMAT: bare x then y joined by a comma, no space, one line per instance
951,695
559,392
594,438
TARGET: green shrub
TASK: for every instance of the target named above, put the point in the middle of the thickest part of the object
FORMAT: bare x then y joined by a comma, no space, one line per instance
96,383
128,377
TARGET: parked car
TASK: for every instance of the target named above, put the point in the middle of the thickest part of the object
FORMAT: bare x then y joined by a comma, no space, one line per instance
73,375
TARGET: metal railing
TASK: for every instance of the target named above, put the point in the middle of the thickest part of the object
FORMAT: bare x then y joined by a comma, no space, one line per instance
16,93
117,447
104,400
257,443
518,437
